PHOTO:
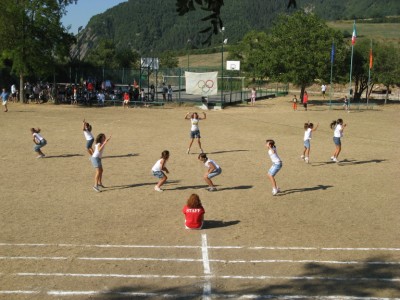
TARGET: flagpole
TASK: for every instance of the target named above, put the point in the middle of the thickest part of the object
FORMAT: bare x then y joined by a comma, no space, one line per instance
351,61
369,73
332,58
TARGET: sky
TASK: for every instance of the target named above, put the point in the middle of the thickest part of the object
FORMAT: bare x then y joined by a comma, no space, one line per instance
79,14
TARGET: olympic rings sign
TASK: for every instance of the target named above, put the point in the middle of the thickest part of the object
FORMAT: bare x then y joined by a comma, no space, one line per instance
205,86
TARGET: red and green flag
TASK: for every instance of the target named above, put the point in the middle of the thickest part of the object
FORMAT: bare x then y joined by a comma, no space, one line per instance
354,35
371,59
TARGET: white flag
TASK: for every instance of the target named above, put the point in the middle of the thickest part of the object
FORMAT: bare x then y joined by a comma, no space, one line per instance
204,84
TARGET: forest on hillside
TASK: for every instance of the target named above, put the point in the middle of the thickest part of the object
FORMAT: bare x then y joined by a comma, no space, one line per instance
154,26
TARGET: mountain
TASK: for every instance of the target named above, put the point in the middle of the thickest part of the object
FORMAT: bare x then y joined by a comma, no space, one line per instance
153,26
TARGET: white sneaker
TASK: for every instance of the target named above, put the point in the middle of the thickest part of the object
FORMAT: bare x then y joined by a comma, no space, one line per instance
307,160
302,157
188,151
156,188
40,156
274,192
335,160
96,189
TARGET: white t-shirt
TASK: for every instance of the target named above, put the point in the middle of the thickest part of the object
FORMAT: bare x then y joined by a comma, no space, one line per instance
207,164
88,135
274,156
307,134
97,152
157,166
195,124
323,88
38,137
338,131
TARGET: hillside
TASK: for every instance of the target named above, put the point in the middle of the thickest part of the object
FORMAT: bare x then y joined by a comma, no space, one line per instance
153,26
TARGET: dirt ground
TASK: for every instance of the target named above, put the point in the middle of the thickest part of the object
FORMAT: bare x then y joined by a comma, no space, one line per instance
332,231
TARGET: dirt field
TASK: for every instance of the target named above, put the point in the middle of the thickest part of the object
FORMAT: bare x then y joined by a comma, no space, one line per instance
332,231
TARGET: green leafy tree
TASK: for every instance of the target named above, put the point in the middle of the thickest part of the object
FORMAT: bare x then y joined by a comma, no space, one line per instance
386,68
251,52
126,58
168,60
360,67
298,50
32,36
103,55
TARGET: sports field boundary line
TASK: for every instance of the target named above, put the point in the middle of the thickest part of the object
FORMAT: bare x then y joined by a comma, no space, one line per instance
197,247
206,267
179,260
63,293
262,277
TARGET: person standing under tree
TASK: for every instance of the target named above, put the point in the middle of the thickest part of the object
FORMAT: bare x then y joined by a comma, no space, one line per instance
305,100
323,90
294,100
169,92
253,96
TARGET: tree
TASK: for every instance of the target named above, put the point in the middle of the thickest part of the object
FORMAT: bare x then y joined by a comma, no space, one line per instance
251,52
168,60
360,67
386,69
298,50
32,36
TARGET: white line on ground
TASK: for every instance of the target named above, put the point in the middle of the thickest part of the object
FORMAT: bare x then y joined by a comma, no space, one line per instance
18,292
264,277
196,247
201,260
206,267
232,296
33,257
218,296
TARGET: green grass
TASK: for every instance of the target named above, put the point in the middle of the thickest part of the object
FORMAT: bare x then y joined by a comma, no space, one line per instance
379,31
383,32
202,60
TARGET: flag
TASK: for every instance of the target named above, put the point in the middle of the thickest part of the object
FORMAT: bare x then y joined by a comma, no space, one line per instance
204,84
354,35
333,53
371,59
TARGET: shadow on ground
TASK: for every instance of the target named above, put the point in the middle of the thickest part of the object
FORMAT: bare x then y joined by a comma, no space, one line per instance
122,155
306,189
63,156
374,277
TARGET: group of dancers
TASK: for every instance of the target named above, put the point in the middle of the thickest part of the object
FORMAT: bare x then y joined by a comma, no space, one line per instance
193,210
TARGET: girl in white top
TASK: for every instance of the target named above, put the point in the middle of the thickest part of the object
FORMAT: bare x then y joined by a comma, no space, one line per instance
194,130
39,142
158,169
101,141
87,132
338,128
213,170
253,96
308,129
276,165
